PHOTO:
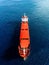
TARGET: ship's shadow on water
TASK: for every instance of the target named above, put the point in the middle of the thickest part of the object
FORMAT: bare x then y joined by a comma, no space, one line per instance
12,51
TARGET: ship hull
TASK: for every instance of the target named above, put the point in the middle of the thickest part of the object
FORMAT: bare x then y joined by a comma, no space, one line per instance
24,46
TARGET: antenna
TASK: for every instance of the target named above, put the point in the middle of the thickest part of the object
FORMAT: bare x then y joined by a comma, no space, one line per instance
24,14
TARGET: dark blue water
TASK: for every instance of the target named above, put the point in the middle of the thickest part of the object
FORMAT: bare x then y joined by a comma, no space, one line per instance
11,12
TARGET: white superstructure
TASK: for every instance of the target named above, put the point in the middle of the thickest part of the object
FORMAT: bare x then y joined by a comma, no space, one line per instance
24,18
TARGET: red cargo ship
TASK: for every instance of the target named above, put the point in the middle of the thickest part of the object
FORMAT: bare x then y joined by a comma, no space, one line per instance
24,46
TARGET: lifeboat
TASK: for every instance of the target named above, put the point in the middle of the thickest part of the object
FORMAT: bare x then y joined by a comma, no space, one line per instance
24,46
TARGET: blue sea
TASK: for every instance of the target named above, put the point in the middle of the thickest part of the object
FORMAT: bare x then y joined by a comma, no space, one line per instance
11,12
